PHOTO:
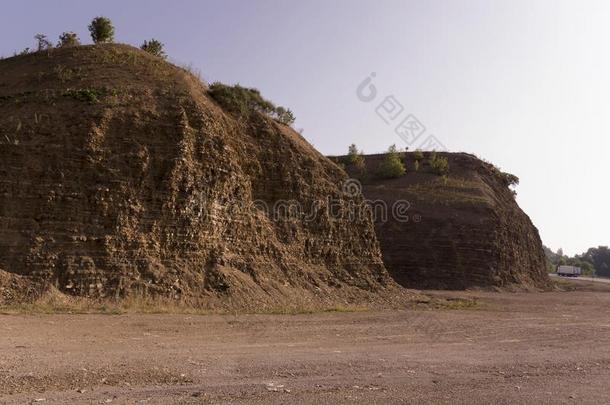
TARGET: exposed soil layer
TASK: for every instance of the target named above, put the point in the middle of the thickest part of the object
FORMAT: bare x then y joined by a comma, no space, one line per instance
457,231
119,175
544,348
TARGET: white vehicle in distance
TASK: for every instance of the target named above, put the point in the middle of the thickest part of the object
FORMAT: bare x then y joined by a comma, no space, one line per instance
569,271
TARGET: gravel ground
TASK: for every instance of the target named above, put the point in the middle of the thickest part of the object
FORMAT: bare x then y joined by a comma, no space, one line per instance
511,348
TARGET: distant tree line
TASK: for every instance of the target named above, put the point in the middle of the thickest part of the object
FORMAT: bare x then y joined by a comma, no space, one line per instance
595,261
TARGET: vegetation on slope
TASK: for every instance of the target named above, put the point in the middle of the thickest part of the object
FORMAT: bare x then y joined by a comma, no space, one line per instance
394,163
244,102
240,101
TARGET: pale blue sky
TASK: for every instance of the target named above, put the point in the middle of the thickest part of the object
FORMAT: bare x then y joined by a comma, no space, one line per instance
524,84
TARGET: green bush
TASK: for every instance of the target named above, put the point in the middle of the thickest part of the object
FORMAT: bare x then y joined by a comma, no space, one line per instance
101,30
154,47
352,153
240,100
509,179
68,39
284,115
439,164
391,166
87,95
354,156
244,102
418,155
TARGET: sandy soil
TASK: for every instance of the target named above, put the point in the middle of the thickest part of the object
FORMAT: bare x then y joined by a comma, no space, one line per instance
512,348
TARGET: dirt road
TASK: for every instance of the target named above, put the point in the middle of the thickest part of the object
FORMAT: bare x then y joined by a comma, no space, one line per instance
585,278
512,348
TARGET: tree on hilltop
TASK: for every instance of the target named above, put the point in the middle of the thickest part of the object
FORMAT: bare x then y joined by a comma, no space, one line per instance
391,166
43,43
102,30
68,39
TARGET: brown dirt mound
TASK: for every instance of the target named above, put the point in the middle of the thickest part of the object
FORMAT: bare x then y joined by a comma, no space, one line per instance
461,231
119,175
15,289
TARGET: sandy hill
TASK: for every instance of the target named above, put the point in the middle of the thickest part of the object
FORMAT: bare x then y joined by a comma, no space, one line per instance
119,175
462,230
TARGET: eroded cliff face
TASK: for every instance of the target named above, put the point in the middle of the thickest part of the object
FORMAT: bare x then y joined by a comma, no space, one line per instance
119,175
461,231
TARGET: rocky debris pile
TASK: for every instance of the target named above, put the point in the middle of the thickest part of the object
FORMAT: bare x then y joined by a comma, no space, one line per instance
15,289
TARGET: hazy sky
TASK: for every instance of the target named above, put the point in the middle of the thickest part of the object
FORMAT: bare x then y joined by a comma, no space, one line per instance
524,84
